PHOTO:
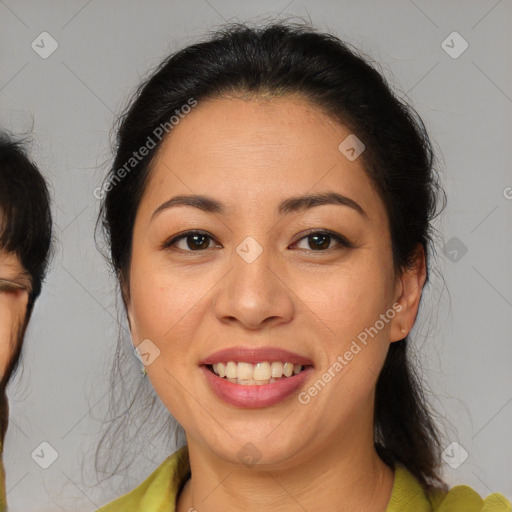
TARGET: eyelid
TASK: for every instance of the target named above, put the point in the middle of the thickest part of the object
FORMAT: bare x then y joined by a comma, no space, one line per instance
175,238
342,241
7,285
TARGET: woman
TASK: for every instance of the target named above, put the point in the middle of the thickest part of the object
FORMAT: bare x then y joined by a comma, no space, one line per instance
25,238
269,218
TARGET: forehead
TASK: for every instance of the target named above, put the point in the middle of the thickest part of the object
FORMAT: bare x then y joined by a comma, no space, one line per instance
10,265
257,150
264,133
8,259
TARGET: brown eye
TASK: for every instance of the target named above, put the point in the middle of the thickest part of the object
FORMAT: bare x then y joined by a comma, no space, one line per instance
191,241
197,242
320,241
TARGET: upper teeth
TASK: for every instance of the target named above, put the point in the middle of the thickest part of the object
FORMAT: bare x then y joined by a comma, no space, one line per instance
259,372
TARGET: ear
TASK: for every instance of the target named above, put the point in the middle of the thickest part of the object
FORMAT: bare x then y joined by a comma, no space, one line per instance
409,287
125,295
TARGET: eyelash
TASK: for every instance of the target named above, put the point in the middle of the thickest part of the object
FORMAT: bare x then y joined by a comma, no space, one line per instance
340,239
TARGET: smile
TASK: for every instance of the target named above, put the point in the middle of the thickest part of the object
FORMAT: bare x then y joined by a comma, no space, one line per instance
257,374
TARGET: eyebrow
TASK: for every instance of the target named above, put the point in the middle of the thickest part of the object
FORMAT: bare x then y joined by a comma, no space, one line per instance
22,279
292,204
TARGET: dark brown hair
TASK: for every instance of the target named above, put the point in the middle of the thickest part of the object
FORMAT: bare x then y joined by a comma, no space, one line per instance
26,231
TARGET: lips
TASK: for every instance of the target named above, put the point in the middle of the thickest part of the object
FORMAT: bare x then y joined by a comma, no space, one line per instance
255,355
250,394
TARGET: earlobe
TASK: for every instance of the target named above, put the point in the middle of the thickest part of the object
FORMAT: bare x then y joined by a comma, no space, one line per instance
124,288
128,309
409,289
125,295
129,316
132,324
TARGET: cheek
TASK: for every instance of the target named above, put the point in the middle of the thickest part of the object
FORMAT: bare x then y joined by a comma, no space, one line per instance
11,315
167,306
168,311
347,307
346,302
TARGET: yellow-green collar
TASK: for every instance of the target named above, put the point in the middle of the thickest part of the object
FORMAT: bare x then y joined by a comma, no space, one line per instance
159,491
3,504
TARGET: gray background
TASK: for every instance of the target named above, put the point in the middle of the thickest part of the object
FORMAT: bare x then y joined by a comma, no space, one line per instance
69,101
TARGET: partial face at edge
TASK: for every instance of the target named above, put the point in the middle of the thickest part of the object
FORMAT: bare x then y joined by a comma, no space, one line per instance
14,286
311,296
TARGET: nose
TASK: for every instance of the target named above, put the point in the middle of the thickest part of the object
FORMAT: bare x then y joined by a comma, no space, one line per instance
253,294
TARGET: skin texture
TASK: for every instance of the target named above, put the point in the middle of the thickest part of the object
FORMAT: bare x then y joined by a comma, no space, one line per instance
250,154
13,306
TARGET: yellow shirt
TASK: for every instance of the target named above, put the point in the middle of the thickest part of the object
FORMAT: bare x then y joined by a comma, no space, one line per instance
3,504
159,491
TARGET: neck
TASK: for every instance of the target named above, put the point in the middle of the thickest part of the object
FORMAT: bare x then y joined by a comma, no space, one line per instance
348,473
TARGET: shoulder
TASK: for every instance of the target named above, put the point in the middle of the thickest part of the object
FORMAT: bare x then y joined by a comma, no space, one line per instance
408,494
463,498
159,488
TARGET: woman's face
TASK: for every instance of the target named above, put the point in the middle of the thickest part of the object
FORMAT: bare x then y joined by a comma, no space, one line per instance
13,305
260,277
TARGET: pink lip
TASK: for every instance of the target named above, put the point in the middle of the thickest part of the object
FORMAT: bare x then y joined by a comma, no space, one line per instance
255,396
255,355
